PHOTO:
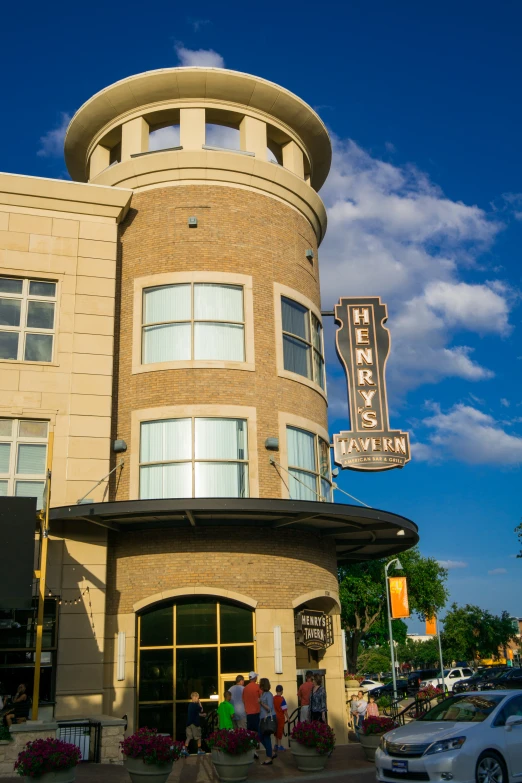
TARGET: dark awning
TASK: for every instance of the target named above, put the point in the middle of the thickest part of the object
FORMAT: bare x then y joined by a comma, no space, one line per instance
359,533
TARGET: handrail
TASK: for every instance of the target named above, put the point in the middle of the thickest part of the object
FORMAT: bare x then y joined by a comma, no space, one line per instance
420,707
291,722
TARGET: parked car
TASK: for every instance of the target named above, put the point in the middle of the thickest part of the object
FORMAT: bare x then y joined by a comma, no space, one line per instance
451,678
508,680
468,737
368,685
415,678
475,682
387,690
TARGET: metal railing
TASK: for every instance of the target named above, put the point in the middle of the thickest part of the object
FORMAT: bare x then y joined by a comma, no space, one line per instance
85,734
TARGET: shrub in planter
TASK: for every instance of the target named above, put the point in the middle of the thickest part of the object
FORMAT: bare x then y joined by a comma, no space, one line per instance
5,734
371,732
429,692
312,743
232,752
149,756
48,757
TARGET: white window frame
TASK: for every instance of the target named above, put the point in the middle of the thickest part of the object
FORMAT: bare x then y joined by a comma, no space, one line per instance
15,439
23,330
310,345
317,472
193,461
312,428
281,291
180,278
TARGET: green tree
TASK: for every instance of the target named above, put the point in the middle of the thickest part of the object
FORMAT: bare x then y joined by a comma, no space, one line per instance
471,633
518,531
374,660
363,595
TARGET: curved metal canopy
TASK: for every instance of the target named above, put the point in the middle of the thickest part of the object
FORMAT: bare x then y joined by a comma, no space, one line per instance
359,533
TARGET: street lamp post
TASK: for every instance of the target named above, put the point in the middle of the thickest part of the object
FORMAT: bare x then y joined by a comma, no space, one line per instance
397,564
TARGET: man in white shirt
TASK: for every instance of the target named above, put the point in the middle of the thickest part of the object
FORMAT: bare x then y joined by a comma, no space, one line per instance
362,706
240,718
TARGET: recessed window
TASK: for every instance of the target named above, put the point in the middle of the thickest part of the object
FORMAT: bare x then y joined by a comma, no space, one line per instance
303,351
194,457
23,454
308,465
202,321
27,312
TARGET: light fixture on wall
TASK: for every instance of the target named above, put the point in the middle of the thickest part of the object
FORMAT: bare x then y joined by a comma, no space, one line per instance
121,655
343,642
278,650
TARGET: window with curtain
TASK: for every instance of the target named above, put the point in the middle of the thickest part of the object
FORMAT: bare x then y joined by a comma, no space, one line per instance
303,351
308,465
194,457
23,454
27,319
193,321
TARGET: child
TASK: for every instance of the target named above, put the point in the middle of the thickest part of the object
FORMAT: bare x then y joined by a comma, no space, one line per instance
193,731
281,710
373,709
226,712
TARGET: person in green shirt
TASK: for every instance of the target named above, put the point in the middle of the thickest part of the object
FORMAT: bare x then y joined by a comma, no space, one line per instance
226,712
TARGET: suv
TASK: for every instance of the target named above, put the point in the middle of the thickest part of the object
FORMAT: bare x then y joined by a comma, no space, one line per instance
511,679
479,679
415,678
451,678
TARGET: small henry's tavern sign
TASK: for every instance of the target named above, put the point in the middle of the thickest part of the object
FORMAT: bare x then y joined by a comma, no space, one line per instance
313,629
363,345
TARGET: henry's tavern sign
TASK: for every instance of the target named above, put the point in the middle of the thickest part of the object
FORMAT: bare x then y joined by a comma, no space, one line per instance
363,344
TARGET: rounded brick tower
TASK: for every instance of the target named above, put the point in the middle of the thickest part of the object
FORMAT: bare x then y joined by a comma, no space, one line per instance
224,539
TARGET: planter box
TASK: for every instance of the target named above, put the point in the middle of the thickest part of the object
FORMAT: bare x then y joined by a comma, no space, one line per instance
147,773
231,769
308,759
370,743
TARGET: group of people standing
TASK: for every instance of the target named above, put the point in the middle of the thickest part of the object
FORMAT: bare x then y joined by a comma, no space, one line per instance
253,706
360,709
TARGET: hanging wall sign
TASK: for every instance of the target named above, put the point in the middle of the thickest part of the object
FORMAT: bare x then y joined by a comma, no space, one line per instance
363,345
313,629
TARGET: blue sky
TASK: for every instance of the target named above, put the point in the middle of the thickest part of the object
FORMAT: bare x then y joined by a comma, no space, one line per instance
425,209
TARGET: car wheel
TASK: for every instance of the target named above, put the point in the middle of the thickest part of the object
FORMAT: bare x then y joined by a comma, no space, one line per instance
491,768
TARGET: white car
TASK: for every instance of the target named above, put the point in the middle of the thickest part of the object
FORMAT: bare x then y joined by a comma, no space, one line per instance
468,738
451,678
369,685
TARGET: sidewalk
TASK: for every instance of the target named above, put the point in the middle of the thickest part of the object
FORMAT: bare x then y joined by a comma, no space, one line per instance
347,763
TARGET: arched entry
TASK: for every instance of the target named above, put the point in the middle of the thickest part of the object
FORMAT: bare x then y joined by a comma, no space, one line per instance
193,643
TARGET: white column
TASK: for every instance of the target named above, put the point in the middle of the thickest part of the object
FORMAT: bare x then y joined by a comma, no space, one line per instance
192,128
100,159
293,159
253,137
134,138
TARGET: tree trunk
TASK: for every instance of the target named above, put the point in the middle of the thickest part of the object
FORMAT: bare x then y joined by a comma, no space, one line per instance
353,639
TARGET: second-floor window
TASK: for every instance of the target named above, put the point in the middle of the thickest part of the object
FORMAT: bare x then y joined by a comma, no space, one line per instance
308,465
302,341
23,453
202,321
27,313
194,457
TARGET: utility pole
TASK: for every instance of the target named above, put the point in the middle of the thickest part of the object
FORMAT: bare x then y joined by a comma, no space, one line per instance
442,684
40,574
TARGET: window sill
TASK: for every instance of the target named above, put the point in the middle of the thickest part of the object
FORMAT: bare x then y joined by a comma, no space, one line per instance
193,364
22,363
293,376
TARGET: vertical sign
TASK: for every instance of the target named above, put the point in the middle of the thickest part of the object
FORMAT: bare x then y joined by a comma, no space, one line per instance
363,344
400,606
431,626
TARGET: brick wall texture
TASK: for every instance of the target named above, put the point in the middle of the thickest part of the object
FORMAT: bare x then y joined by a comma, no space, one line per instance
238,231
271,569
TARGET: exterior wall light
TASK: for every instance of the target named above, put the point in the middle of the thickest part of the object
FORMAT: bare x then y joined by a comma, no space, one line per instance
272,444
193,222
119,446
278,650
121,655
309,254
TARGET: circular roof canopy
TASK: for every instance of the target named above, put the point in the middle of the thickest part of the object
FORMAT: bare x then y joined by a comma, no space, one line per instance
191,84
359,533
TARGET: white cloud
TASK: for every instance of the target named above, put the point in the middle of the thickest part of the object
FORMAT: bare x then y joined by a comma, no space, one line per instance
206,58
505,403
51,143
451,564
495,571
393,233
164,138
470,435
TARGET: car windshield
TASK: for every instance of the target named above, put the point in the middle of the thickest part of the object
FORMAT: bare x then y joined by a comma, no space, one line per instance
464,709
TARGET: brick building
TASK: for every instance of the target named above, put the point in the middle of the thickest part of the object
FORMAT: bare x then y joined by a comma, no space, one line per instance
160,315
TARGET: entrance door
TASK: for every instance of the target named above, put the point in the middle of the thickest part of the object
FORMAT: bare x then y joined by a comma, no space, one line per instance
227,681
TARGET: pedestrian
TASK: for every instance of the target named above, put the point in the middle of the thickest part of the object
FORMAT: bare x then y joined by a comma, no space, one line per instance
372,710
318,700
303,695
226,713
18,708
251,695
281,711
193,729
362,706
268,719
353,711
236,691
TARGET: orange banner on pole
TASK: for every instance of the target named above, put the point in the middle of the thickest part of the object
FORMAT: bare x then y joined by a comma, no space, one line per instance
399,597
431,626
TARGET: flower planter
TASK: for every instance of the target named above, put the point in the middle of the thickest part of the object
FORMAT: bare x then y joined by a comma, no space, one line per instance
147,773
308,759
370,743
58,776
232,767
